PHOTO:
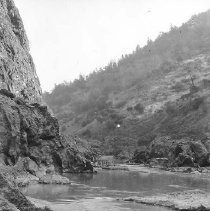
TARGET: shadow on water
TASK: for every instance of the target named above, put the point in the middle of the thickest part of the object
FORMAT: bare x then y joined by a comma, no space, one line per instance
94,191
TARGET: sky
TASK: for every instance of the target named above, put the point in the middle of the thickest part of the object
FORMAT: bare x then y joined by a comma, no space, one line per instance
72,37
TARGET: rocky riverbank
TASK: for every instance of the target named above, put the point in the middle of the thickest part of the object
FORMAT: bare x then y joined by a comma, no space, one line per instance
11,199
195,200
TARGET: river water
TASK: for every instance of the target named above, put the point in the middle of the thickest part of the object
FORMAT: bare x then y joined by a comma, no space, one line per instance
99,192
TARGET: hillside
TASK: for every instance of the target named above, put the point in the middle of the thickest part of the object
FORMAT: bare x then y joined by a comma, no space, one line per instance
161,89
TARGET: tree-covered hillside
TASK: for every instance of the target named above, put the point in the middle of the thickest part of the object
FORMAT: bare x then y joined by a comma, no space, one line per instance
159,89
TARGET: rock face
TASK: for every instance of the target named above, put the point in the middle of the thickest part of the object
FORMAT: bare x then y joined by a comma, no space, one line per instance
31,147
30,139
17,70
12,199
29,134
177,153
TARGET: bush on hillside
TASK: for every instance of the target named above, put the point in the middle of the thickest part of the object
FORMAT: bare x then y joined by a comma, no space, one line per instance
170,108
139,108
178,87
65,115
130,108
197,102
63,128
120,104
206,83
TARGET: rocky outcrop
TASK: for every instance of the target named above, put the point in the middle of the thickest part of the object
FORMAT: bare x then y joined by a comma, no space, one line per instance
31,147
30,139
171,152
17,70
11,199
29,134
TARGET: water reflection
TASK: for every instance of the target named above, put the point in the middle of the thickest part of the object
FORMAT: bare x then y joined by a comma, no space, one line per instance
141,182
89,192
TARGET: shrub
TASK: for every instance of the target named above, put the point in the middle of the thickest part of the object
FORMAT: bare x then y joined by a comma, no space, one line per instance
87,133
120,104
178,87
87,119
63,128
85,122
129,109
206,83
110,125
208,61
194,89
171,109
167,67
65,115
139,107
196,103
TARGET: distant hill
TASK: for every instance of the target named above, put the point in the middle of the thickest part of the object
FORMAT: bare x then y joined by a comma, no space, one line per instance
160,89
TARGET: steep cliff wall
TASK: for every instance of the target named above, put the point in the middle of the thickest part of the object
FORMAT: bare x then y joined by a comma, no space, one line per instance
29,138
17,70
31,147
29,134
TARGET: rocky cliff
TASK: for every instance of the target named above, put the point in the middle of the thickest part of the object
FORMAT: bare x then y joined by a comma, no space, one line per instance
11,199
17,70
30,138
29,134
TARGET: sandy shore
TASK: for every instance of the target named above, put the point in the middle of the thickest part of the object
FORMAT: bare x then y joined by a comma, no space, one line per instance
188,200
194,200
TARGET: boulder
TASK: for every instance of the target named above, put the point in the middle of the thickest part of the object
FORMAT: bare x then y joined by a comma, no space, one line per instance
176,152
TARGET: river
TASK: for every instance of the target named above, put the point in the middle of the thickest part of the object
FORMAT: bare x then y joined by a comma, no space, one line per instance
98,192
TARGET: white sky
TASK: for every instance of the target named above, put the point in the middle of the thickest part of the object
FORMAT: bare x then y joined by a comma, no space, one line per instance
72,37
